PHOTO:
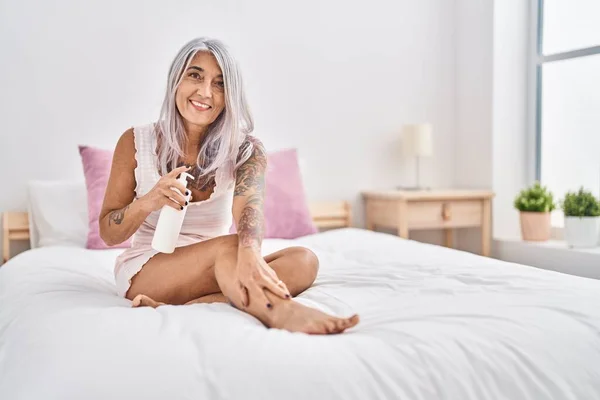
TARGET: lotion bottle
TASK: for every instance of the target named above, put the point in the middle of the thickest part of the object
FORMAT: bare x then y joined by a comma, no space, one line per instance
169,222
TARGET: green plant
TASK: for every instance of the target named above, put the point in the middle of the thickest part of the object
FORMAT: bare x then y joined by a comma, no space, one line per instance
581,204
536,198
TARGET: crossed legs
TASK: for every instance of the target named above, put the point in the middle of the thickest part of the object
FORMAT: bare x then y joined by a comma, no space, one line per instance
205,272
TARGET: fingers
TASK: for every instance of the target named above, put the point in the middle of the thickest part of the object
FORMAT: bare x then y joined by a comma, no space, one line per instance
244,296
178,187
174,197
261,297
271,272
277,288
280,283
272,276
174,186
173,174
170,203
181,194
255,289
284,287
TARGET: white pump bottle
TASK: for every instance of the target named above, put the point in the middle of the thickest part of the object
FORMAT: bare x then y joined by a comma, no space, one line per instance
169,222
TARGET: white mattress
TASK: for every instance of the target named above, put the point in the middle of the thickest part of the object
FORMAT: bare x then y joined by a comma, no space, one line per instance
435,324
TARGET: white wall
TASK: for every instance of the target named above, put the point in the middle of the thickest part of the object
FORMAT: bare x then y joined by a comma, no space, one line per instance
491,89
474,75
510,108
335,79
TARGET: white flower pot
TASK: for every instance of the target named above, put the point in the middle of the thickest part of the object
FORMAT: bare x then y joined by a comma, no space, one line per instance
582,231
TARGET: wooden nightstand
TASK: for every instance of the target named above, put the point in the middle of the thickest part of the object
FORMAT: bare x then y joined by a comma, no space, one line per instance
432,209
15,227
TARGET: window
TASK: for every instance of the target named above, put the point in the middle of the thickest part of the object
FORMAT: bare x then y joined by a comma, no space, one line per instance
567,97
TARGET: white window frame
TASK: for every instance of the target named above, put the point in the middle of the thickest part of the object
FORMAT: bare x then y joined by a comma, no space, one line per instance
534,112
538,59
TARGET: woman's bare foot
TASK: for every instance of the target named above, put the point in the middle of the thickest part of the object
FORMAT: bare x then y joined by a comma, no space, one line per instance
295,317
141,300
209,298
144,301
288,315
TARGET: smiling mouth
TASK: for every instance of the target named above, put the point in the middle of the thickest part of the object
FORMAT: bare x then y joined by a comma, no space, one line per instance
200,106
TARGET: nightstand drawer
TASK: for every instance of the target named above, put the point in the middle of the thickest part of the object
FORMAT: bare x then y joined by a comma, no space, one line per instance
408,210
444,214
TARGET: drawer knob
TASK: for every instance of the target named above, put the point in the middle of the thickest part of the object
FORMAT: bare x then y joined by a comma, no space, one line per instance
446,213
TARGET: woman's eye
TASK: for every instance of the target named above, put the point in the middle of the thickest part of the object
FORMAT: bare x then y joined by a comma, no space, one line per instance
195,75
220,85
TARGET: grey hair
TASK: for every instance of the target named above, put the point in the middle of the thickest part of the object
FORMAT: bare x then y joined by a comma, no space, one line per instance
225,135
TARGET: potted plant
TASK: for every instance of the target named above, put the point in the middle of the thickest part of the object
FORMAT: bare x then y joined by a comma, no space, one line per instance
535,204
582,218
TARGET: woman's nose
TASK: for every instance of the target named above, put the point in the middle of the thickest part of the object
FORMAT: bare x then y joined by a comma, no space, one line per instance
204,90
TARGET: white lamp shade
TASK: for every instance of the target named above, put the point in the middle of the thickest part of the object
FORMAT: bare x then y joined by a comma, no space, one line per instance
417,140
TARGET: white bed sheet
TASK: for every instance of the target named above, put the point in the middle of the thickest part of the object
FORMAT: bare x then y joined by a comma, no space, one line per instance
435,323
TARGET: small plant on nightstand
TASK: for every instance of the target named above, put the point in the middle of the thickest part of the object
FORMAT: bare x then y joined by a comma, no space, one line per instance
582,218
535,204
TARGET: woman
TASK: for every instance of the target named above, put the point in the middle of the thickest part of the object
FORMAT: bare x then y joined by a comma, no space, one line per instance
204,130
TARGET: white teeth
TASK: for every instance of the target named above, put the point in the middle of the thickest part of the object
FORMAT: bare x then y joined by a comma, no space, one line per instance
201,105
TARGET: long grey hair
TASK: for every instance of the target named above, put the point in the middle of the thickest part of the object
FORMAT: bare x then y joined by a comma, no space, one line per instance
226,134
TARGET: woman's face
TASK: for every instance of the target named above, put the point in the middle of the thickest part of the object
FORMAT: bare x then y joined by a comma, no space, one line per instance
200,97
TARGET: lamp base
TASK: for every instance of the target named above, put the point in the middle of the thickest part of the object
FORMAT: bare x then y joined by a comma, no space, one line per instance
413,188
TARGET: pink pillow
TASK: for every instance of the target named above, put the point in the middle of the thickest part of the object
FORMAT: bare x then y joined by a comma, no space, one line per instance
96,168
287,215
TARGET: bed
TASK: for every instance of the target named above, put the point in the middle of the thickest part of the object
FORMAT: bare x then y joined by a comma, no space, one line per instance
436,323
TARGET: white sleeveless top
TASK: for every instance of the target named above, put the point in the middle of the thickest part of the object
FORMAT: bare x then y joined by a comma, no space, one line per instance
203,219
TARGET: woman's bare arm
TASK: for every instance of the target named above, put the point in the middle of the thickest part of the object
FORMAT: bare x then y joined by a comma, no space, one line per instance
253,274
248,200
121,216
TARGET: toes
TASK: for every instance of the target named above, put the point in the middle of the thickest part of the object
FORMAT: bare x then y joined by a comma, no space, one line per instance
334,325
331,326
148,302
142,300
352,321
151,302
342,324
137,300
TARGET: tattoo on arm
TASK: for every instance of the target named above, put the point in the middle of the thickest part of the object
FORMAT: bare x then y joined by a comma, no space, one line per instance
117,216
250,227
250,175
250,183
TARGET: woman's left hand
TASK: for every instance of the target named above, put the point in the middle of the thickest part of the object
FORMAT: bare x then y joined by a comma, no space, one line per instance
254,275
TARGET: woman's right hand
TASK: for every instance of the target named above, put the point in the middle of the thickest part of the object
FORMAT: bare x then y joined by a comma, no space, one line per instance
164,193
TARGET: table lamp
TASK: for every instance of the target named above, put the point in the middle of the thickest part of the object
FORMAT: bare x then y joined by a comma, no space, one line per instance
417,142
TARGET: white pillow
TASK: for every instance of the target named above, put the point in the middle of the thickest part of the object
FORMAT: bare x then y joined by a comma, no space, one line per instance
58,213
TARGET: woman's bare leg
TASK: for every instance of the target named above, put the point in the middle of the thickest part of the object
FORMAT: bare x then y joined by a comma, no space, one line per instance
209,298
295,266
284,314
141,300
194,272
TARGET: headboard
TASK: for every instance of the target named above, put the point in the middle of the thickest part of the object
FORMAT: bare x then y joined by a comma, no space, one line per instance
332,214
326,215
